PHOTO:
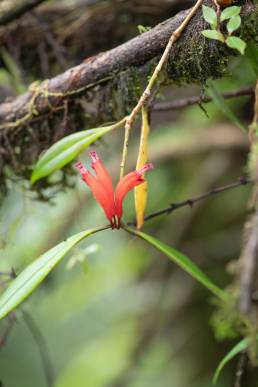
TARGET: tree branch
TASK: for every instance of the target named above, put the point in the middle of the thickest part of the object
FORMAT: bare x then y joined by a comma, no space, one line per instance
108,83
100,22
49,95
144,98
249,265
248,262
249,255
185,102
190,202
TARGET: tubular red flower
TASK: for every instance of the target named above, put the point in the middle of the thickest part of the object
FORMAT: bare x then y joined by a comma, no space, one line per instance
102,187
102,173
99,191
126,184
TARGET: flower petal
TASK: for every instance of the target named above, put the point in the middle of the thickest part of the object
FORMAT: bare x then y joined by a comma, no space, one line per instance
127,183
102,173
98,190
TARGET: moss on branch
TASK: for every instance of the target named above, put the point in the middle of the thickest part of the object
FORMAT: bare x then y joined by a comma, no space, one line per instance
106,87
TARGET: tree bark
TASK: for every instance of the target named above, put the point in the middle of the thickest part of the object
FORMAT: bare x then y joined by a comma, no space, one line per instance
49,110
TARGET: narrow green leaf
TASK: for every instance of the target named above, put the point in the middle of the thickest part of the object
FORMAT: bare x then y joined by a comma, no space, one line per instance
233,24
241,346
229,12
31,277
181,260
65,150
222,105
210,16
213,34
236,43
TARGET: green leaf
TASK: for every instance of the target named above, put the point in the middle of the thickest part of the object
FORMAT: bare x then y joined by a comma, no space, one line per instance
213,34
237,43
143,29
233,24
67,149
210,16
229,12
219,100
182,261
28,280
241,346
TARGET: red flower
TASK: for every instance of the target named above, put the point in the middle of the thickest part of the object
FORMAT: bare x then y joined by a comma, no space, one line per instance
102,187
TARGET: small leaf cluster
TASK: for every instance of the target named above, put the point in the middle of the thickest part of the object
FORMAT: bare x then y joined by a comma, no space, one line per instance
231,14
143,29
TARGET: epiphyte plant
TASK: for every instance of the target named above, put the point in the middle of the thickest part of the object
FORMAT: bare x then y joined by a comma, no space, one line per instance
102,187
215,19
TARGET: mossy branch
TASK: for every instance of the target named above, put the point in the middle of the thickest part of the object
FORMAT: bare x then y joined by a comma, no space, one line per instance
51,109
193,59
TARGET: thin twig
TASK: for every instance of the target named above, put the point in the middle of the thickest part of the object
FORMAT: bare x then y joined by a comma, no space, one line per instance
190,202
147,92
42,347
185,102
38,101
218,13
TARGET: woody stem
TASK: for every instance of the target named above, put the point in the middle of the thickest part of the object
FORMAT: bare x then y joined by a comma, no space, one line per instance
147,92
